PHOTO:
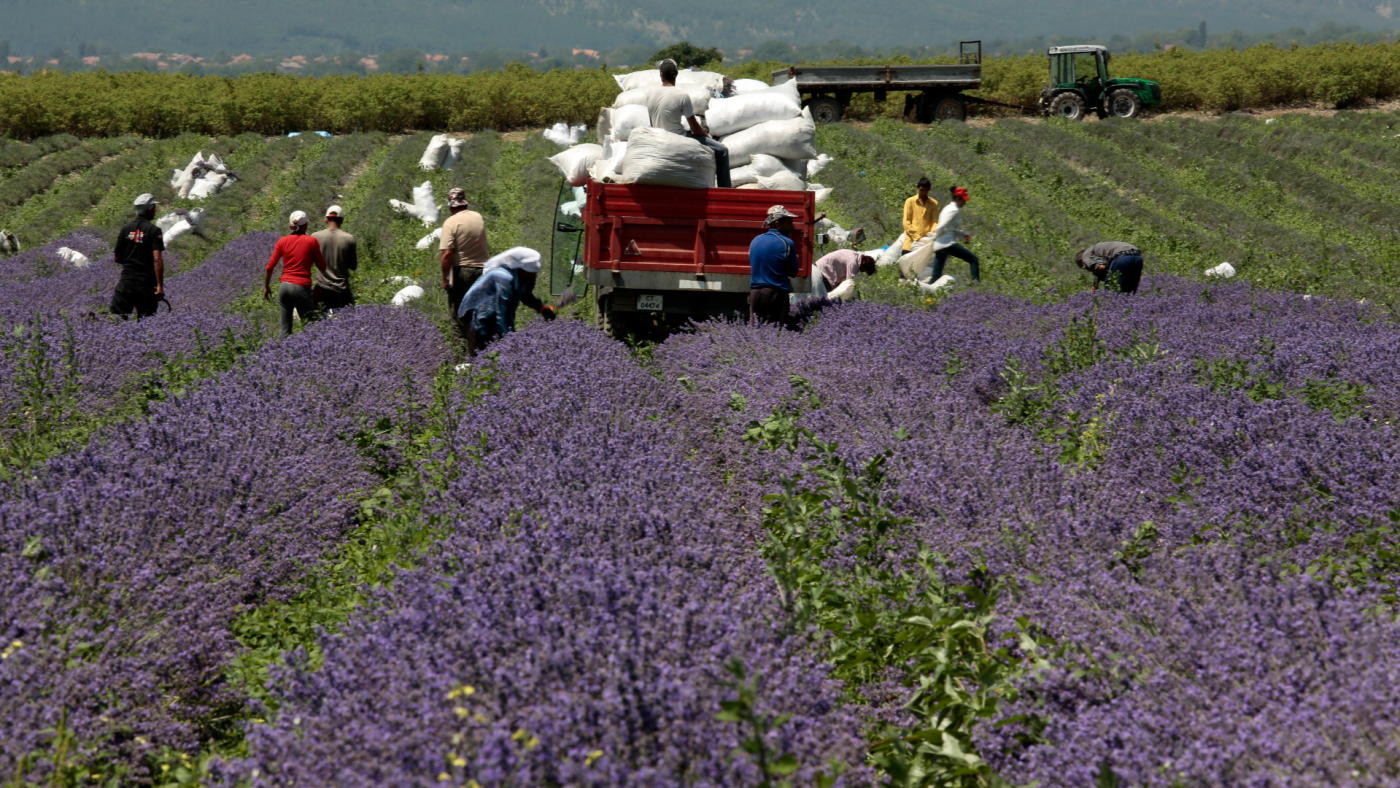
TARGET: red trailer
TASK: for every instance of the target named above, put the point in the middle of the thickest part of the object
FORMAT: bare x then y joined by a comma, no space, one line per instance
660,256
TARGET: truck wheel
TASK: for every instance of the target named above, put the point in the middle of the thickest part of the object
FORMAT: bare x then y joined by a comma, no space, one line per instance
1124,104
950,108
613,323
825,109
1069,106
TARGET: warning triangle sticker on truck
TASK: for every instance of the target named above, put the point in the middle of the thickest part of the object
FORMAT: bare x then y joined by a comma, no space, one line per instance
632,248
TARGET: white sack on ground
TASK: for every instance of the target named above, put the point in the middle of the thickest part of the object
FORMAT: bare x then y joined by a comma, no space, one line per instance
625,119
733,115
434,155
216,164
817,165
196,218
820,195
208,186
454,153
786,139
890,254
406,208
427,241
943,281
661,158
559,134
782,181
574,162
749,85
407,294
845,291
184,179
73,257
167,221
182,227
426,205
1224,271
912,265
9,244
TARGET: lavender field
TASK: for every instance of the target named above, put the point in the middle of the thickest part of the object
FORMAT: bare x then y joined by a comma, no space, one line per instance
1008,536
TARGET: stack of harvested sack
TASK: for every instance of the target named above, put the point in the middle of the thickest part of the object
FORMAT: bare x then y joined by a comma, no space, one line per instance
443,152
202,177
771,138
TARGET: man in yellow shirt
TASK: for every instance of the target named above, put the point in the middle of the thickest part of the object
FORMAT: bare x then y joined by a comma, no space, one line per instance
920,215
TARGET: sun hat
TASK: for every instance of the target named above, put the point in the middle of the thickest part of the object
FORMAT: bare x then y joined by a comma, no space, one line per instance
457,198
778,213
145,201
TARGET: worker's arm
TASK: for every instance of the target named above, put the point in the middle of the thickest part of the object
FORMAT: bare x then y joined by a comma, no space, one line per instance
160,272
271,264
695,127
909,229
320,259
352,257
447,256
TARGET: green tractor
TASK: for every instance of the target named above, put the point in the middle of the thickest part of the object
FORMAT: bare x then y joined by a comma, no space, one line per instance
1079,82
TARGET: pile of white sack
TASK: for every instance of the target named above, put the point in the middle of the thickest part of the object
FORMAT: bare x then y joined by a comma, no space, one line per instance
202,178
180,222
73,257
771,138
9,244
564,135
443,153
423,208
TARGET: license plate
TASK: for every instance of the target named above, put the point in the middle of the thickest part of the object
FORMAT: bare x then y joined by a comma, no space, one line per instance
648,303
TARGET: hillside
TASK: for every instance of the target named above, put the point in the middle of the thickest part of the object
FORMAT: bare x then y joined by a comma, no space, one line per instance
308,26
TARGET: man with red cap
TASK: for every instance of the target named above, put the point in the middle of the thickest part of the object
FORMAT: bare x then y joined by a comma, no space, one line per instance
947,234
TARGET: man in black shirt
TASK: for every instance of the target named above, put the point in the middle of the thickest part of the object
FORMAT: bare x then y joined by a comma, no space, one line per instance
139,252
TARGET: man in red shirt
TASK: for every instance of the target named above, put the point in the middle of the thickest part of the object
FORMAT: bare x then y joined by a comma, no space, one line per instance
297,251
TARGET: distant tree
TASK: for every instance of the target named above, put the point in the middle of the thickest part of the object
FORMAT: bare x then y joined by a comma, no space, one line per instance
223,57
4,52
400,61
688,55
780,51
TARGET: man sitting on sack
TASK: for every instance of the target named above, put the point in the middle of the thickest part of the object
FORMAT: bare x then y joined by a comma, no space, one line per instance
668,105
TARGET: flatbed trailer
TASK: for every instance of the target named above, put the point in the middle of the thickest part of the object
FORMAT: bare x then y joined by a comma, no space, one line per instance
933,92
658,257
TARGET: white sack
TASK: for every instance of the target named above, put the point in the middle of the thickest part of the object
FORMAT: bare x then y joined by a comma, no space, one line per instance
783,181
208,186
890,254
625,119
167,221
818,164
182,227
434,155
787,139
622,80
196,218
577,133
912,265
733,115
571,208
73,257
410,293
749,85
558,134
1224,271
9,244
820,196
427,241
664,159
426,205
699,97
184,179
759,165
454,153
710,80
216,164
943,281
845,291
609,165
400,280
574,162
406,208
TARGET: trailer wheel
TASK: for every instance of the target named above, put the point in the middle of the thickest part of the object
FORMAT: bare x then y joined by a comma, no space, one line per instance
825,109
950,108
1069,106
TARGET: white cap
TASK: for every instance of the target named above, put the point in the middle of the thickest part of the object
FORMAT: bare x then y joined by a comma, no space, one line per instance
145,201
336,211
298,219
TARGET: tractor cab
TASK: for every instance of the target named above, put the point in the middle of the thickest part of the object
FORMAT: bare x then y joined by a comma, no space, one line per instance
1080,82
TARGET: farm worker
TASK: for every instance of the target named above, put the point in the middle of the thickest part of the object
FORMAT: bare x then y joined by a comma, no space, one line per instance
920,211
843,264
668,105
139,251
297,251
947,234
463,248
1115,264
772,261
506,281
332,290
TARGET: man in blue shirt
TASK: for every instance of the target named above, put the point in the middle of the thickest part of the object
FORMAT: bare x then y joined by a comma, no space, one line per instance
772,260
507,280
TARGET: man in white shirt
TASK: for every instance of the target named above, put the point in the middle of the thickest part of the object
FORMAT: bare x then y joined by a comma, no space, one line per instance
668,106
948,233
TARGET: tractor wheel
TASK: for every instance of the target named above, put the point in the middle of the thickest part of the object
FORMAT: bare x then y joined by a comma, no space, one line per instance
1069,106
1124,104
950,108
825,109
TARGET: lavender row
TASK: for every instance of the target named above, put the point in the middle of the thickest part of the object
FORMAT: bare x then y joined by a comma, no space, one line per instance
575,625
123,565
1204,554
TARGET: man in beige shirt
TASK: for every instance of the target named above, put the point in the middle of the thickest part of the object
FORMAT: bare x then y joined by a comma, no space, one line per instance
464,252
332,290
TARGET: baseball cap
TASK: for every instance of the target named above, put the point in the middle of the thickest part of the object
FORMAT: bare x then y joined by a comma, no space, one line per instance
457,198
335,211
298,219
777,213
145,200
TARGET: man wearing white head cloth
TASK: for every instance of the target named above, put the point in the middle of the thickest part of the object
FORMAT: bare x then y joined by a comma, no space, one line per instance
507,280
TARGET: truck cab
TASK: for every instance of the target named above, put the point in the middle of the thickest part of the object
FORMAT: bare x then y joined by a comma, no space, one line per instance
659,257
